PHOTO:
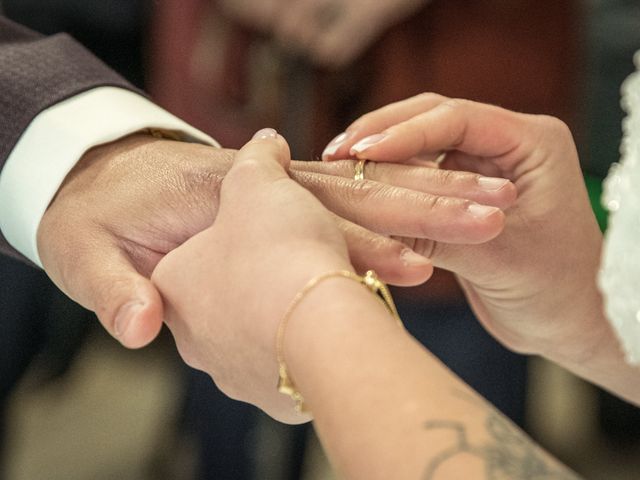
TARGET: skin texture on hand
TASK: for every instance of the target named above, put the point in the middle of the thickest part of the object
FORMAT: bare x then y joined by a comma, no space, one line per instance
226,288
382,405
332,33
385,408
129,203
533,287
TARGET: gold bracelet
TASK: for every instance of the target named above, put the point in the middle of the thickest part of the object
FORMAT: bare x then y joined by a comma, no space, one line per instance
370,280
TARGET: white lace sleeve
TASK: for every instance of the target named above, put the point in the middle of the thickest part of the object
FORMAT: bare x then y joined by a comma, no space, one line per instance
619,277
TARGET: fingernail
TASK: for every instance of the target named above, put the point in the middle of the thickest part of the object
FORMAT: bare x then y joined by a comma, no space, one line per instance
367,142
265,133
413,259
126,313
335,145
481,211
491,183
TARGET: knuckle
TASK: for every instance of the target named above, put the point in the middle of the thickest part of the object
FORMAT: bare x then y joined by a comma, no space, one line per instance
342,168
553,132
457,107
247,166
549,121
433,204
428,97
447,177
438,202
364,120
240,174
194,178
555,125
454,103
360,191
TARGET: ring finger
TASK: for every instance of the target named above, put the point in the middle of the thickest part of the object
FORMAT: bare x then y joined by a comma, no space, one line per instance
492,191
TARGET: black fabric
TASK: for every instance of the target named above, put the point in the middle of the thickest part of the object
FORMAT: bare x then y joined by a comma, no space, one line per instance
37,72
115,31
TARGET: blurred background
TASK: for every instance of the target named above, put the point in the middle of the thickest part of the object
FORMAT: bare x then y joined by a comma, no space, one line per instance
75,405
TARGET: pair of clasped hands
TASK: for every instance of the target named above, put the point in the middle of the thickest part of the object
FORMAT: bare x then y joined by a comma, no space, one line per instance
226,251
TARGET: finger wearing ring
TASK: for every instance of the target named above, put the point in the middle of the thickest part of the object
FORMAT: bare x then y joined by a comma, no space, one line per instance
359,169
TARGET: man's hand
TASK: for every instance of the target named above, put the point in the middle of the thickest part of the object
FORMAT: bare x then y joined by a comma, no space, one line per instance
127,204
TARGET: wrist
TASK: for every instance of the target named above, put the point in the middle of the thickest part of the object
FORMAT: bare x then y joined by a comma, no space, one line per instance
582,330
338,321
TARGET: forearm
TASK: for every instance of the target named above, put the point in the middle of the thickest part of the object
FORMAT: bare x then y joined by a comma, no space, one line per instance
386,408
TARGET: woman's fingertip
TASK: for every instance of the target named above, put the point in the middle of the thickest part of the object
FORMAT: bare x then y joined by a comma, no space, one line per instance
492,183
412,259
265,134
482,211
367,142
332,148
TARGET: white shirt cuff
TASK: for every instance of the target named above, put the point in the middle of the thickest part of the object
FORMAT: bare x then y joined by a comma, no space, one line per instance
56,140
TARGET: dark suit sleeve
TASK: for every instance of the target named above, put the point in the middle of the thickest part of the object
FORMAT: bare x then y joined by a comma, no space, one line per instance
37,72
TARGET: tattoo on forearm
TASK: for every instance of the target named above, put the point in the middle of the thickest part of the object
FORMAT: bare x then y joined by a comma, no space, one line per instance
507,454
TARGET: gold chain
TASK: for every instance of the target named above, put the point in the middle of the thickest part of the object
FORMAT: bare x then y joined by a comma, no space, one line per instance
370,280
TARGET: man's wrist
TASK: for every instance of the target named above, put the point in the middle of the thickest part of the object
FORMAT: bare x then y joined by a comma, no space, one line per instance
54,142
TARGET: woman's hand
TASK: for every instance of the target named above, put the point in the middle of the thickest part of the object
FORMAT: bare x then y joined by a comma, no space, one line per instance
226,289
142,197
533,286
331,32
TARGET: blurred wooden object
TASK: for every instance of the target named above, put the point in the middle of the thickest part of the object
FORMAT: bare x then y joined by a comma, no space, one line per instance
229,81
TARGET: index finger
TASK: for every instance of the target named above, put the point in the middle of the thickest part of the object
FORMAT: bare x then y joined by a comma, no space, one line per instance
378,121
474,129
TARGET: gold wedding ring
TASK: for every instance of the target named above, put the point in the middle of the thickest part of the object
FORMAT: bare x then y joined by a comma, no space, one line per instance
359,170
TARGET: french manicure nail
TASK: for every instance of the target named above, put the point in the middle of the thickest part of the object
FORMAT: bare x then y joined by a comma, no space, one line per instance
491,183
265,133
367,142
481,211
413,259
334,145
125,315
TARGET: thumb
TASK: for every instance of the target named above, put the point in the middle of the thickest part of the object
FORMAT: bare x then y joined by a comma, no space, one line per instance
135,308
126,303
264,159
